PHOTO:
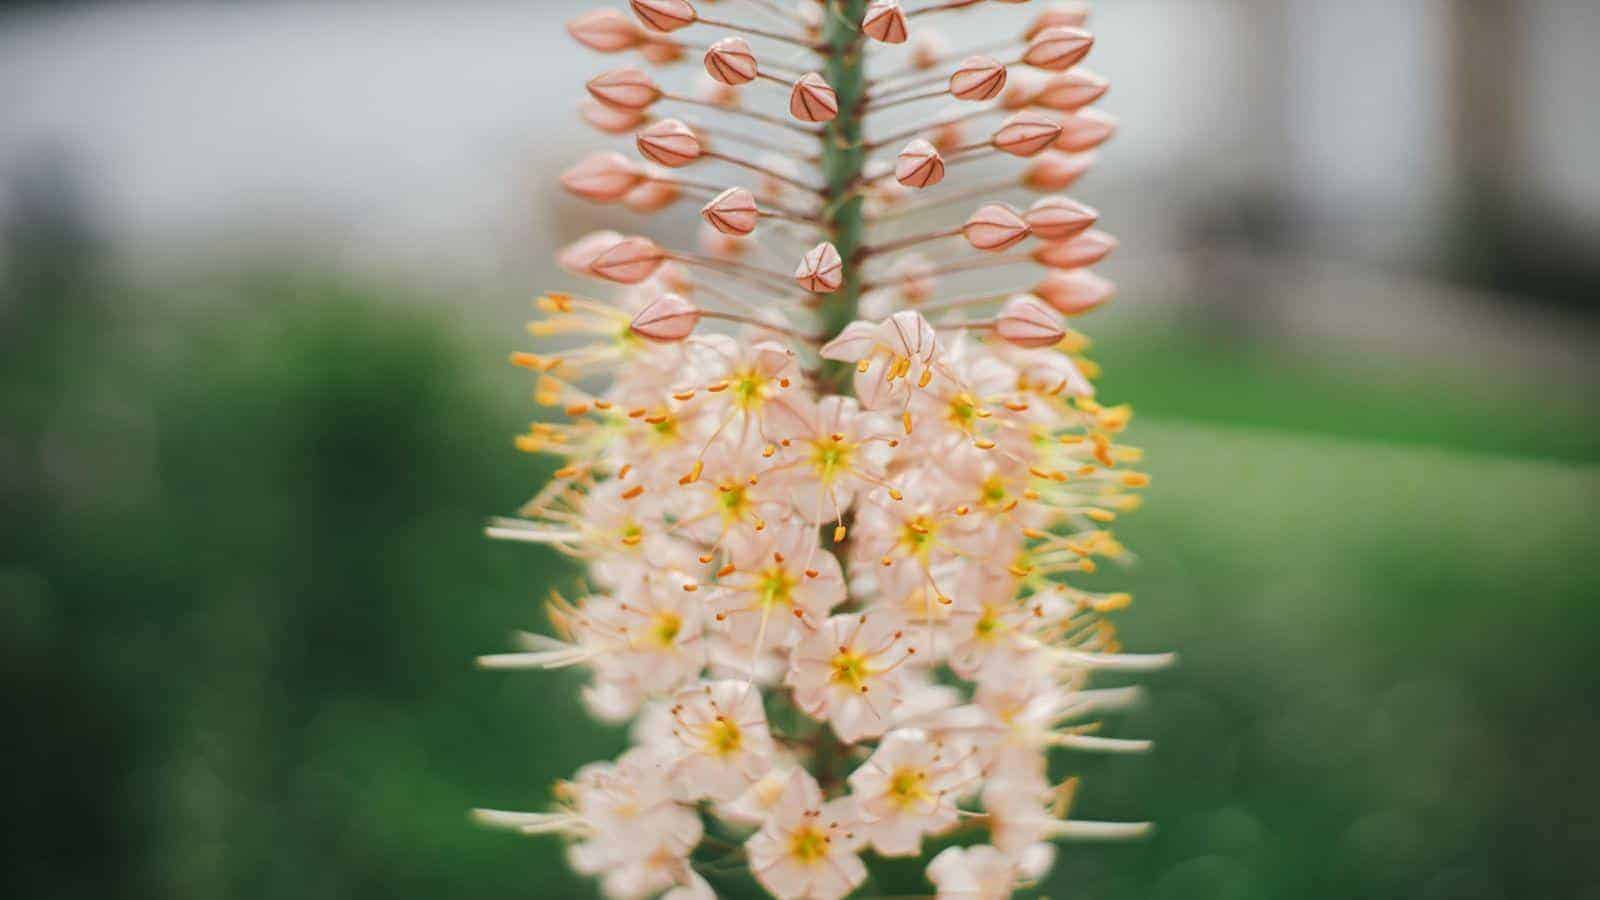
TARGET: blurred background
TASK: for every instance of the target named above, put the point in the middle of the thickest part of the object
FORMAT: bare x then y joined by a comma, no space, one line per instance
260,265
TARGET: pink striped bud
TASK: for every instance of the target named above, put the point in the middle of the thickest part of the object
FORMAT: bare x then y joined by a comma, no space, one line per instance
577,256
1025,322
994,226
1022,88
730,61
670,143
1057,218
667,319
660,52
885,22
1074,292
1026,133
977,78
813,99
821,271
1056,171
1058,48
949,136
611,119
603,177
1070,15
605,30
1072,90
1085,129
652,196
919,165
627,88
733,212
663,15
629,261
1086,249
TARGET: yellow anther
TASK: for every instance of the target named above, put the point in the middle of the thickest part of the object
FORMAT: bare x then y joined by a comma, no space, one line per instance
526,360
768,450
725,571
683,395
864,365
1101,515
694,473
924,378
895,495
1035,534
691,588
838,533
963,510
718,387
623,472
905,420
983,444
567,471
1135,479
837,437
1113,602
633,492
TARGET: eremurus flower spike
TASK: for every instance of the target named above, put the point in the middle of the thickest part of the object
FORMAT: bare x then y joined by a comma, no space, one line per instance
872,524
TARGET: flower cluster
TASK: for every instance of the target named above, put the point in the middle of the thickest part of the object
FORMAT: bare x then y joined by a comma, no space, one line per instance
833,518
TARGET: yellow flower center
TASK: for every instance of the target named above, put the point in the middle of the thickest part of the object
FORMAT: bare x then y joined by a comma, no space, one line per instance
808,844
830,457
733,501
908,786
749,389
916,535
993,491
723,737
850,667
963,410
988,625
775,587
666,626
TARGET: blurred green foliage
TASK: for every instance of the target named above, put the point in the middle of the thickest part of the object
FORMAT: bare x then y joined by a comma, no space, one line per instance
242,583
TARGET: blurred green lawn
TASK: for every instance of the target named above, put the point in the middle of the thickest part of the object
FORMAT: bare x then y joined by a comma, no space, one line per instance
242,583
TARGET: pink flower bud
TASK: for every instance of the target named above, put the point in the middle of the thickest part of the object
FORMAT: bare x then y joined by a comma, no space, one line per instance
994,226
670,143
1058,48
1026,322
927,50
605,30
1086,249
1057,218
977,78
919,165
1056,171
667,319
652,196
733,211
577,256
611,119
1085,129
1070,15
885,22
602,177
730,61
912,279
660,52
1021,89
629,261
1072,90
821,271
1074,292
813,99
949,136
624,88
663,15
1026,133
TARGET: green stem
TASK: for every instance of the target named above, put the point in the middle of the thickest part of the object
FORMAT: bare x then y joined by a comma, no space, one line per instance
842,161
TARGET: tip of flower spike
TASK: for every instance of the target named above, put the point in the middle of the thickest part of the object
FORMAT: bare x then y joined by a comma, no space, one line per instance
667,319
1058,48
664,15
994,227
1025,322
626,88
885,22
731,61
821,271
919,165
812,99
978,78
670,143
605,31
1058,218
733,212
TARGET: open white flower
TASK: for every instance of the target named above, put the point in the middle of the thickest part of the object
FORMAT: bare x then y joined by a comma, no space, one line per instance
723,741
908,788
807,848
848,673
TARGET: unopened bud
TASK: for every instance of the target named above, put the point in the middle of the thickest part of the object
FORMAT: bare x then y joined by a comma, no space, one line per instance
663,15
1026,133
821,271
625,88
652,196
730,61
660,52
667,319
1072,90
813,99
1057,218
1025,322
1085,129
1058,48
611,119
1074,292
919,165
605,30
577,256
994,226
1021,89
885,22
670,143
977,78
1056,171
733,212
603,177
1085,249
1074,14
630,261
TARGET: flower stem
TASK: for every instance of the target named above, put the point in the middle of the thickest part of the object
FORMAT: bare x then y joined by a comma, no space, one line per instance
842,160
